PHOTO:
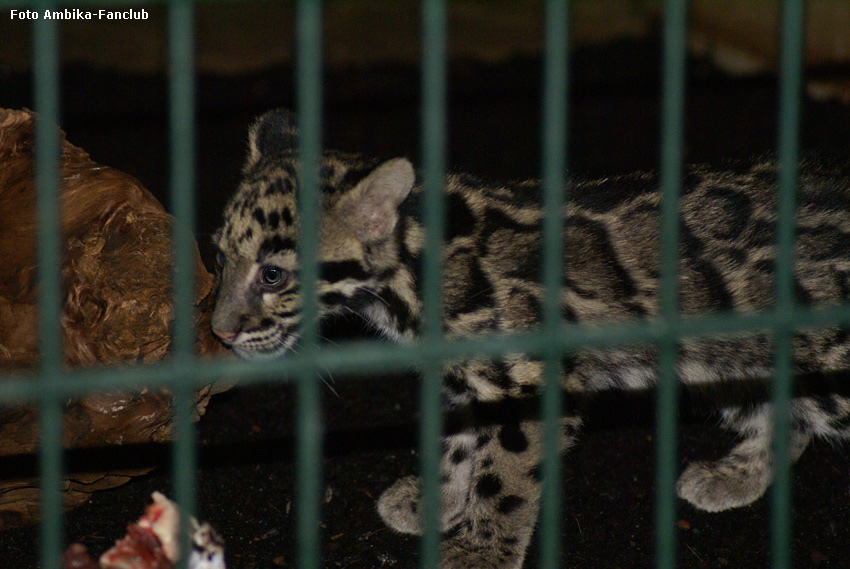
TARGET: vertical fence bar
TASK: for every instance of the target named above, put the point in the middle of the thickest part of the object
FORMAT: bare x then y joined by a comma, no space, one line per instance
555,128
182,144
308,413
47,162
433,159
672,139
792,39
182,132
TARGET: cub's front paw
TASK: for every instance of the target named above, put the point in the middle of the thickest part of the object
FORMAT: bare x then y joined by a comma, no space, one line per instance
398,506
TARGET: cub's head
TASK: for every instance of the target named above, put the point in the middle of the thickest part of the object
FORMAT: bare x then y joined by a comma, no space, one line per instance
258,307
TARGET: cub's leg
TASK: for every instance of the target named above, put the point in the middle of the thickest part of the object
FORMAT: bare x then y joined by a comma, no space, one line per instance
741,477
398,506
502,500
490,497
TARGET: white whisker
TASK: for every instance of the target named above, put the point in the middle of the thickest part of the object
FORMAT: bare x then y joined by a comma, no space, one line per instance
329,380
376,295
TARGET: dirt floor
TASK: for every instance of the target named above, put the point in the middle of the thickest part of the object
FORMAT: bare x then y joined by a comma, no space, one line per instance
245,480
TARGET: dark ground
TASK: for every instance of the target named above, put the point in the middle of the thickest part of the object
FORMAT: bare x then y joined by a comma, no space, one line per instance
245,483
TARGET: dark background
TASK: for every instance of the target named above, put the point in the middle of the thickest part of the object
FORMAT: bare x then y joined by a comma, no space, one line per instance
245,481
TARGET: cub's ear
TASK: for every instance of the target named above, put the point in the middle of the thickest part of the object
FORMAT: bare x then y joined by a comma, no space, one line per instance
371,208
271,134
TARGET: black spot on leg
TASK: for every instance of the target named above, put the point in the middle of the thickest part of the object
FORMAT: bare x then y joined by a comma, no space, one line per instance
512,438
260,216
286,216
535,472
274,220
488,486
508,504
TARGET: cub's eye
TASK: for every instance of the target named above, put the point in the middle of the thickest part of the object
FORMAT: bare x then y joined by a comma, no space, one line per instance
221,258
271,275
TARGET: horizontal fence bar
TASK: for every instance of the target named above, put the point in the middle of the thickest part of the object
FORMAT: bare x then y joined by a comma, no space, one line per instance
362,357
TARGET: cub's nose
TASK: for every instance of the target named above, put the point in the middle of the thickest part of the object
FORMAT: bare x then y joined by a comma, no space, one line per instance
225,335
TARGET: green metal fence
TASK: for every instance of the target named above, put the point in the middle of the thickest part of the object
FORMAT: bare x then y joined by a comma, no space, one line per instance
51,385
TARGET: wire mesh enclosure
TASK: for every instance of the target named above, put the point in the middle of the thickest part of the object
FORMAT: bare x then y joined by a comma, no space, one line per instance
51,385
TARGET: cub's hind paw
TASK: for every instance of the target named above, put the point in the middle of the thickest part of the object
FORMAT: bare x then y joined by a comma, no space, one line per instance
724,484
398,506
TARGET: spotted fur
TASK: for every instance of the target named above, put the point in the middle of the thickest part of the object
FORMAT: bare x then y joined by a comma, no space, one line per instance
370,247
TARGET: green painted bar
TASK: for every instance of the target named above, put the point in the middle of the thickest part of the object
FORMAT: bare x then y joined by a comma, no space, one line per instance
368,358
308,408
46,95
433,17
182,132
184,462
181,77
792,39
554,166
51,468
672,140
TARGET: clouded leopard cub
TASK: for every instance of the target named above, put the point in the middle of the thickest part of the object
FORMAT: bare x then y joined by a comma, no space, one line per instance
370,247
